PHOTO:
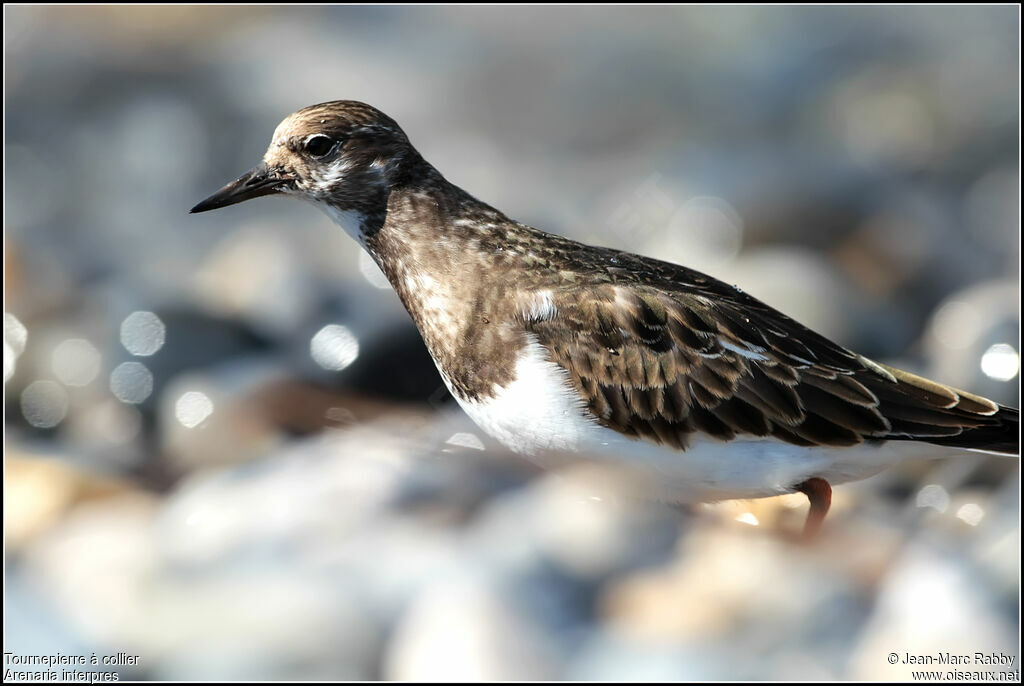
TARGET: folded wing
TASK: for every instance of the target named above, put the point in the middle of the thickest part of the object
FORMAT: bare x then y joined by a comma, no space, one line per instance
662,364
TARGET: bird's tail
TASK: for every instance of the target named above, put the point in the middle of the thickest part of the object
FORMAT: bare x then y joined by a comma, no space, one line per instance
920,409
1001,436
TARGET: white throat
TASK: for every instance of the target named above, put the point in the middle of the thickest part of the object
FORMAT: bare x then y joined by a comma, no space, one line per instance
350,220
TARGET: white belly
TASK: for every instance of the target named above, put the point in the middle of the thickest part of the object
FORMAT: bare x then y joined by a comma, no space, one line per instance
540,415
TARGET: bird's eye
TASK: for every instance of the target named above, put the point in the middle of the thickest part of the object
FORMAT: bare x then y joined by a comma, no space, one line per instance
319,146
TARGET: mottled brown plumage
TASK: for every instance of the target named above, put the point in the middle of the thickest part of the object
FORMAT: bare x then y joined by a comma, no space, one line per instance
653,350
675,352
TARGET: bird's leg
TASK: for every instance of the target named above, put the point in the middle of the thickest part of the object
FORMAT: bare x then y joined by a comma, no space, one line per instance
819,493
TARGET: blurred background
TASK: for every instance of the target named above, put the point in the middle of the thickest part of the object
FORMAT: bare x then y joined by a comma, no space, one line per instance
228,453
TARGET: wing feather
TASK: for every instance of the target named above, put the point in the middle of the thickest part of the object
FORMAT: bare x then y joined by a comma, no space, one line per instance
662,363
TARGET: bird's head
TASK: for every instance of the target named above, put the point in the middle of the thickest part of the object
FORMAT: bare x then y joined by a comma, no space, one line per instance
342,155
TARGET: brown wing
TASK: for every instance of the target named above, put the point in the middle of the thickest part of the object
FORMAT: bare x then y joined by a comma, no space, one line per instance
662,365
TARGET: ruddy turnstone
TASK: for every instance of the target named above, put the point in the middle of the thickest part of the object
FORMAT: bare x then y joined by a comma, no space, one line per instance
558,348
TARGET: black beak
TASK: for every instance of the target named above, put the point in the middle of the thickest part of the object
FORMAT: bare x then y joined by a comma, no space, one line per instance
258,181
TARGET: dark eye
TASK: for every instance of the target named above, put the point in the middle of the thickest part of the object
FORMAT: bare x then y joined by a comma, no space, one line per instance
319,145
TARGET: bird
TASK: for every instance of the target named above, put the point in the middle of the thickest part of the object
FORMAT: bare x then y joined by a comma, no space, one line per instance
693,387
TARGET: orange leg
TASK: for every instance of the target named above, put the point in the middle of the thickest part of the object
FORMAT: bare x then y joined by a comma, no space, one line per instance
819,493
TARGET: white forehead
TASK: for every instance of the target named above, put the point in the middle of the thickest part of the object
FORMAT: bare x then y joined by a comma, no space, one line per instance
284,131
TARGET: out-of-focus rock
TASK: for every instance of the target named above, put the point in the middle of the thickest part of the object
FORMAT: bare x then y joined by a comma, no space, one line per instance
971,340
39,490
466,629
15,336
207,419
930,603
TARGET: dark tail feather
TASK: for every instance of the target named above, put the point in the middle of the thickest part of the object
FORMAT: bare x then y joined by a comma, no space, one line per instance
920,409
1000,434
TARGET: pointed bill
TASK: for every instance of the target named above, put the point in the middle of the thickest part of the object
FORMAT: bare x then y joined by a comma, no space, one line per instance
258,181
